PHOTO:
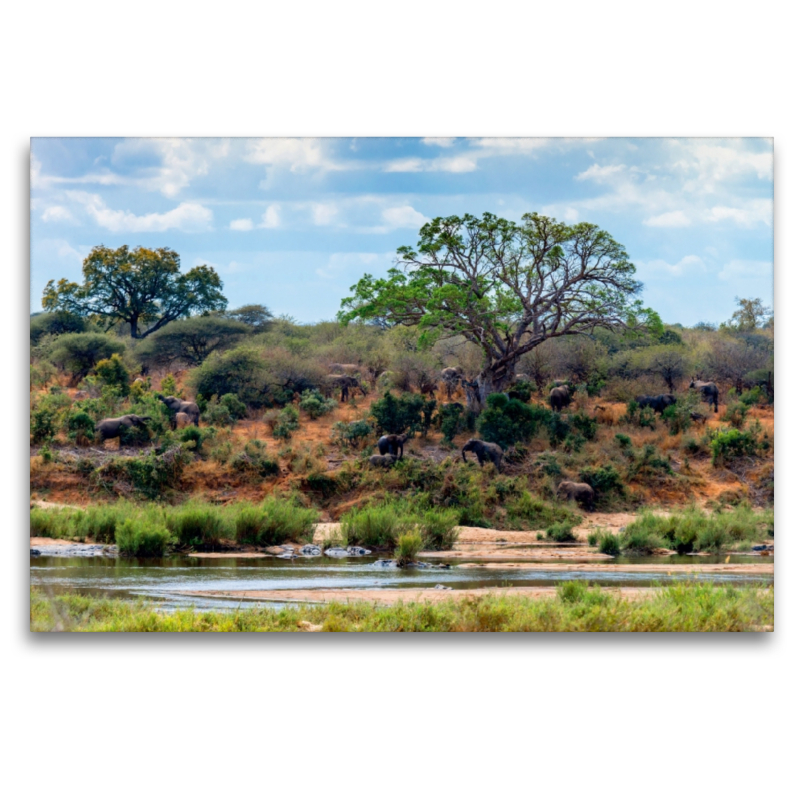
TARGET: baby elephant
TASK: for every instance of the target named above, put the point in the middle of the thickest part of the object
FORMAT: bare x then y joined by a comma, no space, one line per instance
580,492
176,405
382,461
485,451
114,427
392,444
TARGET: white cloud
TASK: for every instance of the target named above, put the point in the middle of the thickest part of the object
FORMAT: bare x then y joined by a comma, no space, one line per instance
324,213
670,219
341,264
739,268
57,214
660,268
299,155
439,141
709,162
601,174
188,217
242,225
453,164
180,161
749,214
271,218
403,217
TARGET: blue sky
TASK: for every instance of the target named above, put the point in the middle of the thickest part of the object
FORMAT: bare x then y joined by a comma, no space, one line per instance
293,223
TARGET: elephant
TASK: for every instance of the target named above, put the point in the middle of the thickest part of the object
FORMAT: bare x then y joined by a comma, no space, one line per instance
580,492
658,402
392,444
451,377
485,451
427,386
382,461
175,405
560,397
113,427
182,420
345,383
345,369
708,390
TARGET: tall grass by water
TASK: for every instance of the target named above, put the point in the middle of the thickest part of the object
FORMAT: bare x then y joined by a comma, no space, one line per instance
689,606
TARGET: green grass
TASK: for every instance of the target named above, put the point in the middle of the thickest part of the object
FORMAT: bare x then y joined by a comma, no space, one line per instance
408,546
199,526
375,526
275,521
561,532
610,544
143,537
689,606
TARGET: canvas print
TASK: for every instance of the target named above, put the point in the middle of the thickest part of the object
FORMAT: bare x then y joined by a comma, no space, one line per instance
448,384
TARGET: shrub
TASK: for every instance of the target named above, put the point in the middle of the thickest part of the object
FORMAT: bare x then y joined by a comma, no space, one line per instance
149,475
351,434
275,521
641,540
215,413
643,417
728,444
623,441
79,425
398,414
558,428
605,481
647,464
374,526
55,324
236,408
79,353
408,546
141,537
585,425
100,522
43,427
506,422
736,414
678,416
592,539
561,532
315,404
574,443
241,371
52,523
113,372
537,513
610,544
573,591
254,460
169,386
198,526
522,391
438,528
288,422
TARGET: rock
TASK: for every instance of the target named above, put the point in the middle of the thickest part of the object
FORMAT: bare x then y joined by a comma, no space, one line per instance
762,547
442,586
35,552
310,550
288,555
358,551
336,552
384,563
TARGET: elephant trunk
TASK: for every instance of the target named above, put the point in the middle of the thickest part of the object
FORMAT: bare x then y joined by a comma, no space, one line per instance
463,454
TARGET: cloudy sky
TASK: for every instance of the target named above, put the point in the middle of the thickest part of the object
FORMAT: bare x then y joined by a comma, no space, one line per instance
293,223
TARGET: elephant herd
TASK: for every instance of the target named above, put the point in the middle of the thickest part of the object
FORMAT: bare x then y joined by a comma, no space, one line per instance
186,413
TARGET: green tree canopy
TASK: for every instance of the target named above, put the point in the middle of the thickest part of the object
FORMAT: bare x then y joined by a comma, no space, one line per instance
141,287
192,340
80,352
257,316
506,287
750,314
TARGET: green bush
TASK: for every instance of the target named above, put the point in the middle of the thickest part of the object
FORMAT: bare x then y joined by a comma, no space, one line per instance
623,441
736,414
438,528
275,521
585,425
561,532
288,422
351,434
646,464
218,414
43,425
374,526
79,353
605,481
142,537
52,523
522,391
255,461
99,523
452,420
399,414
315,404
506,422
55,324
538,514
198,526
558,428
408,546
610,544
236,408
113,372
149,475
79,424
728,444
678,416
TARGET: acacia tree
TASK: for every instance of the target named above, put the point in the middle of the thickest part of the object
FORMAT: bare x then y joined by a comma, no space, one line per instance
506,287
192,340
139,286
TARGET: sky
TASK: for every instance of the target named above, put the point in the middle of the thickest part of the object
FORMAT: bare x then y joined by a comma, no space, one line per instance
294,223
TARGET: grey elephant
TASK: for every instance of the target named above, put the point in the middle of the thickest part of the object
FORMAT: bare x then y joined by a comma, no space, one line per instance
709,392
382,461
345,383
485,451
560,397
392,444
580,492
115,426
176,405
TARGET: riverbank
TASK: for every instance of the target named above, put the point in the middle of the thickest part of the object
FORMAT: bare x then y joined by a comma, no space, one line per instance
574,606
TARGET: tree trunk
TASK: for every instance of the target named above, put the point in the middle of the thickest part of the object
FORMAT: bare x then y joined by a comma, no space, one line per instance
492,379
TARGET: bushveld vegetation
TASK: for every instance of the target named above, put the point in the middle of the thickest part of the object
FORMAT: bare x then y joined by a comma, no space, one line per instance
688,606
272,425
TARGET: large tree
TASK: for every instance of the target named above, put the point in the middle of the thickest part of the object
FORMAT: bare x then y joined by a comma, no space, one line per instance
142,287
506,287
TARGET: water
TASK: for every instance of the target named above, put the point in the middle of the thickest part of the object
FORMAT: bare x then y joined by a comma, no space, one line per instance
162,579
